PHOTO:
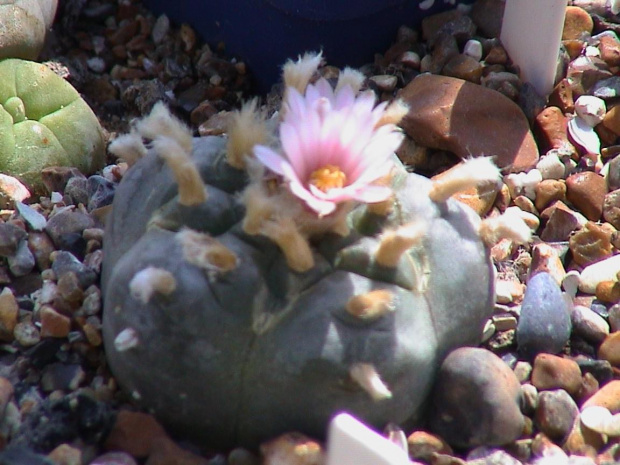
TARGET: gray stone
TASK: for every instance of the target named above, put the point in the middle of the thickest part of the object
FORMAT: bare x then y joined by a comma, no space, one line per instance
614,317
66,262
10,237
476,400
68,222
544,323
22,262
587,324
556,413
607,88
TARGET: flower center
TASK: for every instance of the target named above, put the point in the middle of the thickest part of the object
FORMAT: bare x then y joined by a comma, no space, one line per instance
328,177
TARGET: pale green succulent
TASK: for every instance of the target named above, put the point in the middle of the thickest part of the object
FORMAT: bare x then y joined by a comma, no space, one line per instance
23,26
44,122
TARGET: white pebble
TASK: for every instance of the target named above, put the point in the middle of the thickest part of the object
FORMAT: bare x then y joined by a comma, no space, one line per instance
473,48
523,183
605,270
35,220
591,109
570,283
592,51
584,135
601,420
589,324
550,166
96,64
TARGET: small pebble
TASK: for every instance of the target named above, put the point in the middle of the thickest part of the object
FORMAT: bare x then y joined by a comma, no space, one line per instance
114,458
556,413
588,324
53,324
423,445
608,396
614,317
544,323
294,449
473,48
474,383
610,349
587,190
591,244
601,420
605,270
35,220
553,372
576,23
22,262
590,109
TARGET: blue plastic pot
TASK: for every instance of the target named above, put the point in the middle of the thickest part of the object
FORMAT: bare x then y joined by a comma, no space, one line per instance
264,33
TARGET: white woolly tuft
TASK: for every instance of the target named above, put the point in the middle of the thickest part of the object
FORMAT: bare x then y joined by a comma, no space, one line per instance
160,122
510,226
191,188
351,77
470,173
247,129
129,147
297,74
149,281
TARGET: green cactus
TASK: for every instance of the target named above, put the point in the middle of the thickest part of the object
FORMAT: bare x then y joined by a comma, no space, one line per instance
235,312
44,122
23,26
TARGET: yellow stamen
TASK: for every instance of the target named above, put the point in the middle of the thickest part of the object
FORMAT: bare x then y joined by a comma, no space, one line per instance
328,177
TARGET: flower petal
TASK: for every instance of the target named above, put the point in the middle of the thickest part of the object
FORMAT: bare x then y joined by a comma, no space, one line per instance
271,159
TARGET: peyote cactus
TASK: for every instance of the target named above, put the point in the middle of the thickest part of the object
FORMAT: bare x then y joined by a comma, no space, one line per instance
23,26
309,276
44,122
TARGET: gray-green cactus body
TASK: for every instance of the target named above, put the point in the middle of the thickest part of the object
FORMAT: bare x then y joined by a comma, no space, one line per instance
238,357
44,122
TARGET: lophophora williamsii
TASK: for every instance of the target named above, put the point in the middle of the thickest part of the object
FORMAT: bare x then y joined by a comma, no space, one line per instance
261,282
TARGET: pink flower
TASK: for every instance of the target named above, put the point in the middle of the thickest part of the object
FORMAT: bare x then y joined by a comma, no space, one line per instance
332,148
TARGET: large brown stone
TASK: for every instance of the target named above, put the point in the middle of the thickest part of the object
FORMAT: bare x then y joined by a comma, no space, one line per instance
469,120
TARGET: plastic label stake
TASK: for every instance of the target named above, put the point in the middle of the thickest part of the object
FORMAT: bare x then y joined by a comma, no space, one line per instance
350,442
531,34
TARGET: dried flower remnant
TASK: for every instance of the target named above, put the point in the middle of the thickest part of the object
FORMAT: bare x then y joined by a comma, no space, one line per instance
333,147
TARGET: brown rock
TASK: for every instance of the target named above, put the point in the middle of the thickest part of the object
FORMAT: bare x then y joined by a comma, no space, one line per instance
576,23
562,97
581,439
611,208
610,50
497,55
6,394
488,15
464,67
589,386
574,47
455,115
608,291
553,372
433,23
53,324
551,126
135,433
549,190
167,452
546,258
608,396
292,448
41,247
444,49
586,191
612,120
64,454
561,222
423,445
9,311
610,349
591,244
